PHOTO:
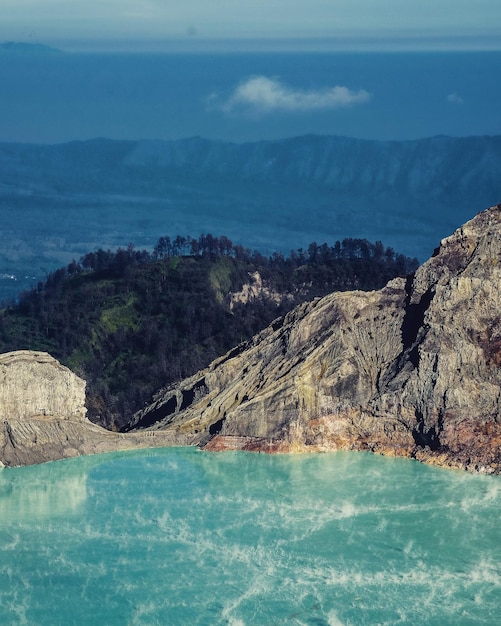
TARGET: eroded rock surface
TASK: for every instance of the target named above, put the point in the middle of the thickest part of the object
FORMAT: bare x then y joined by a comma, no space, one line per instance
35,384
42,413
410,370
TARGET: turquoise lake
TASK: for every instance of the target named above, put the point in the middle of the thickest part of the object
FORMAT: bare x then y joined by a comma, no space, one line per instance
179,536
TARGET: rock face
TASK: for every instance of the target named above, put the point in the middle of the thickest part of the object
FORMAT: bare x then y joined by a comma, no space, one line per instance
42,413
410,370
35,384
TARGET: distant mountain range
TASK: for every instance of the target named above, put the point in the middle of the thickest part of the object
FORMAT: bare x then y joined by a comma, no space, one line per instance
19,47
59,201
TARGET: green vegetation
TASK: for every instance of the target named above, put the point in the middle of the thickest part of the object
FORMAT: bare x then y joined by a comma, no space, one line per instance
131,322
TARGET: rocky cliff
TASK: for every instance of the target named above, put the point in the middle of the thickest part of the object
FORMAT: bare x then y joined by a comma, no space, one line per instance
42,413
411,370
35,384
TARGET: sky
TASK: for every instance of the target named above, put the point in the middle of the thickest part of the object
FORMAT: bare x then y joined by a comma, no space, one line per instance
135,24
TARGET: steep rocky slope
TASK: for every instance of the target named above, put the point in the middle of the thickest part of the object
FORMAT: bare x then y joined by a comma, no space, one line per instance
411,370
43,414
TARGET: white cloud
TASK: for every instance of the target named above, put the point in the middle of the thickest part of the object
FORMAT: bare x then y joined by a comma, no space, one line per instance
265,95
454,98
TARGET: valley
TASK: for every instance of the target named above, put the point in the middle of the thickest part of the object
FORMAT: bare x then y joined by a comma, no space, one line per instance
60,201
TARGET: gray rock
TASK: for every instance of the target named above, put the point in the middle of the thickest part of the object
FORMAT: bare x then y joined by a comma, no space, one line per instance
42,413
410,370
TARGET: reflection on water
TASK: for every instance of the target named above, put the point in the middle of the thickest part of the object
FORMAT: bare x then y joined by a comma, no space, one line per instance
179,536
50,489
40,499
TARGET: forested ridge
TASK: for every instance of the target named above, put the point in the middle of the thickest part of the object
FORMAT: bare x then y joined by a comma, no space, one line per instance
131,321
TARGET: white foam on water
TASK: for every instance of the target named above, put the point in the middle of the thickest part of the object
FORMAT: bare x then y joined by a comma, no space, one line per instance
11,542
255,588
487,495
298,552
18,611
142,610
333,619
486,571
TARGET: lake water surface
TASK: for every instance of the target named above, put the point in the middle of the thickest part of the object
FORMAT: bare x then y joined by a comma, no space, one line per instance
179,536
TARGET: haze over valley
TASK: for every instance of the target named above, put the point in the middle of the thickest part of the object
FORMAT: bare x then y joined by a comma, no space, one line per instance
273,150
61,201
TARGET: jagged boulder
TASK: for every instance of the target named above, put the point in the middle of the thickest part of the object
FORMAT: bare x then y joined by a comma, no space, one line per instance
412,369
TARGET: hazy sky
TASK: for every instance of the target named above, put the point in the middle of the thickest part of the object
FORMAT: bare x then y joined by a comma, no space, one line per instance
460,23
